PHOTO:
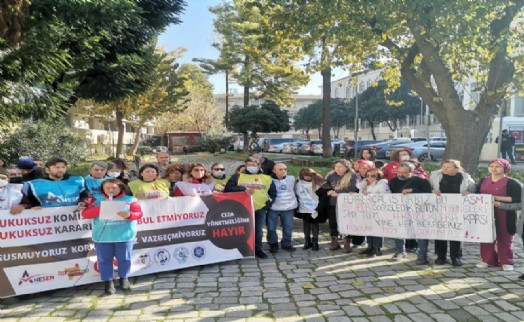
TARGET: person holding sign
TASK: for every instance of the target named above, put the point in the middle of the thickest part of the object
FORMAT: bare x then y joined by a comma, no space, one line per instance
114,231
373,184
506,193
148,185
199,182
219,176
342,180
451,178
311,191
263,190
407,183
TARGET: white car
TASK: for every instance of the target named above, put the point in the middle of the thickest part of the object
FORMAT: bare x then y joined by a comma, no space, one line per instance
318,149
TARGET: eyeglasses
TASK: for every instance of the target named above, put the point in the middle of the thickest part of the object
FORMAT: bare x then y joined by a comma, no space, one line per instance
200,170
219,169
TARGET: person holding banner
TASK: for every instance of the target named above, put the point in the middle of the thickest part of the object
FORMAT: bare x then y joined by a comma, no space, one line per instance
199,182
373,184
451,178
263,190
219,176
506,193
311,190
148,185
341,180
57,189
10,196
174,173
115,237
407,183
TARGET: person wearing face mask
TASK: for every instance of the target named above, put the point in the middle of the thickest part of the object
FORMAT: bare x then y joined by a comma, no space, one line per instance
263,190
451,178
198,182
406,183
15,175
97,175
219,176
311,190
397,157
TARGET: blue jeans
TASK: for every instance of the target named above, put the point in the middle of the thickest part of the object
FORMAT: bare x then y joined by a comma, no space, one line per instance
260,220
286,220
105,252
399,246
422,248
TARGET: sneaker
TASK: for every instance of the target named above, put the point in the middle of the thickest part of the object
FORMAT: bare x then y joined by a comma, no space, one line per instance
289,248
398,256
412,250
374,253
260,254
482,265
124,284
507,268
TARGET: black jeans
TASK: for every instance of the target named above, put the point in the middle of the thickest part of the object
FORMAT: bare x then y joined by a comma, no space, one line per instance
509,152
455,248
332,217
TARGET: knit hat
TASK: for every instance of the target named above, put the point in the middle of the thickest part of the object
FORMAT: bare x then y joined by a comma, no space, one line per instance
4,172
503,163
25,163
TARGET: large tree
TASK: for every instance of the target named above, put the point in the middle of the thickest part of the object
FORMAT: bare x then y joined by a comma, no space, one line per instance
264,65
437,46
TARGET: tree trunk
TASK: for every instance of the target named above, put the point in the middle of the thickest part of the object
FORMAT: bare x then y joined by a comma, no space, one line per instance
246,86
326,122
227,100
307,134
466,133
133,149
372,127
246,142
120,137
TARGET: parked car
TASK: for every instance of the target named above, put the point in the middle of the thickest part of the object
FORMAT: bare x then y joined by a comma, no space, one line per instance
318,147
419,150
307,148
292,147
276,145
160,148
381,147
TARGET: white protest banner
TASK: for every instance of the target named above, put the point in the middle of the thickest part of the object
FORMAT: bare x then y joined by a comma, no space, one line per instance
417,216
51,248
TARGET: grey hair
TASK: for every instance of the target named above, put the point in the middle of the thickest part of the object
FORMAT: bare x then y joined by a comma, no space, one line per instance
101,164
407,165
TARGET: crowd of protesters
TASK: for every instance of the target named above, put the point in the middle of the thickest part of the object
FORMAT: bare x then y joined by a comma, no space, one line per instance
276,195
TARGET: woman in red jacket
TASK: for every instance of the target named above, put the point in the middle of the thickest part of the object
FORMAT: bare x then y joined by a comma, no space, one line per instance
114,238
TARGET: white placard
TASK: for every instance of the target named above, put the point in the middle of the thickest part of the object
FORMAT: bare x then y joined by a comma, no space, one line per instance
109,210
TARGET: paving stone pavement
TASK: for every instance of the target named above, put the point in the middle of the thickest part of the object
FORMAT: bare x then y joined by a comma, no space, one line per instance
299,286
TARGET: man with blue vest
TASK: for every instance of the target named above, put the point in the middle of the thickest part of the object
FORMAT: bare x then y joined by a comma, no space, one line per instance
97,175
57,189
283,207
263,190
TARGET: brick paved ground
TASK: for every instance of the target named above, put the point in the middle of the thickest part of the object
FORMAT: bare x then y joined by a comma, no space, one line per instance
299,286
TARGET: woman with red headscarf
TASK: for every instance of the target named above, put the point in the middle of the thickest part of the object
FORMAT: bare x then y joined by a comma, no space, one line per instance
507,197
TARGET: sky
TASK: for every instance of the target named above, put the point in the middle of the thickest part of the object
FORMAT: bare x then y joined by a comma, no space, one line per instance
196,34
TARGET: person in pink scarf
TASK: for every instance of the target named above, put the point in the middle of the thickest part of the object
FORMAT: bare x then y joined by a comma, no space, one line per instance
506,193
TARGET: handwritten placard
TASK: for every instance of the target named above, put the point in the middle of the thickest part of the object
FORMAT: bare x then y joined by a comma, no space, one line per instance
417,216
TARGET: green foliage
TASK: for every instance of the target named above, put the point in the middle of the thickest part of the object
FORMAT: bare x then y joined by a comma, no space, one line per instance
214,141
43,141
268,118
102,50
